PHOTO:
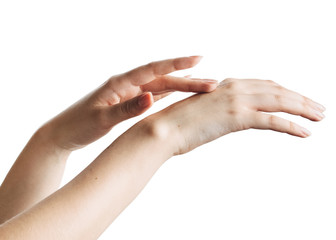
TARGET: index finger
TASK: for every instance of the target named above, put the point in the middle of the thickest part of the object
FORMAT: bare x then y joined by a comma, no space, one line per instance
147,73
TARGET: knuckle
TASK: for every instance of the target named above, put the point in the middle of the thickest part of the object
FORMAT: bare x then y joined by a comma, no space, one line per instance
232,99
225,81
272,122
127,110
109,83
271,82
292,127
176,64
306,101
149,65
279,100
305,104
148,68
279,88
228,79
233,86
187,88
232,112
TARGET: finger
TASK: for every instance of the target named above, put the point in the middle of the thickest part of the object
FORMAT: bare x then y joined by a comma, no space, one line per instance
257,86
303,99
275,123
169,83
283,103
149,72
272,87
131,108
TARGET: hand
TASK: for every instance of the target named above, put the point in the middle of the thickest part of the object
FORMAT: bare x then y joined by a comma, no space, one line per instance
122,97
236,104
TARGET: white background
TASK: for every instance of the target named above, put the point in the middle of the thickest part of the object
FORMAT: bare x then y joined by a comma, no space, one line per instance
246,185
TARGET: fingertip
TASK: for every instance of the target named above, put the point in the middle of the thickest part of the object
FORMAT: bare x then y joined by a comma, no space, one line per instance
320,107
305,132
318,116
184,63
196,59
146,100
199,57
209,85
200,85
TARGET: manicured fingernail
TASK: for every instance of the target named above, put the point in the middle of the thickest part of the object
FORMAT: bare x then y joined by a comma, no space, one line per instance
199,56
320,107
319,115
305,132
143,100
209,81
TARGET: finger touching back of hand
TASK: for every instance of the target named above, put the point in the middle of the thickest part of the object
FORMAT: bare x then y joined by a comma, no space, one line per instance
146,73
168,83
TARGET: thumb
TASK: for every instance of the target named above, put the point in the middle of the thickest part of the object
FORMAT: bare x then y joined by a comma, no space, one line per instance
131,108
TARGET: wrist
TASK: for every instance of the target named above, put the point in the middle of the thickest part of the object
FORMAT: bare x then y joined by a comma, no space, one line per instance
45,138
163,132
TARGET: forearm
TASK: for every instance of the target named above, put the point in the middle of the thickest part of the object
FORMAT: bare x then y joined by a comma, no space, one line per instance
36,173
85,207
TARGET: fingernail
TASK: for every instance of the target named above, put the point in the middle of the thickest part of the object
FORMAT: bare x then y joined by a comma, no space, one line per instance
319,115
143,100
305,132
199,56
320,107
209,81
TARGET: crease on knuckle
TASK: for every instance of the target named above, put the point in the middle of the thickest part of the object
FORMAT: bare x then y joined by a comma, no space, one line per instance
165,82
176,65
306,102
150,67
292,127
305,106
272,122
127,110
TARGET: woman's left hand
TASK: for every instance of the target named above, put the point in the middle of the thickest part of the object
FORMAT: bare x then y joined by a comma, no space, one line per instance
236,105
121,97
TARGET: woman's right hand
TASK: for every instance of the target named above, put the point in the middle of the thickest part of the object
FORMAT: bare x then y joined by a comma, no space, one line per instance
236,104
121,97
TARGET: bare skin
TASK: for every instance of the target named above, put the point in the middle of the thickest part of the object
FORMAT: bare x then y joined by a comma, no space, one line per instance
88,204
39,168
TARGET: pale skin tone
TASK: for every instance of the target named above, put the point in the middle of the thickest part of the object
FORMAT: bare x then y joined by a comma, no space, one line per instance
31,209
41,163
